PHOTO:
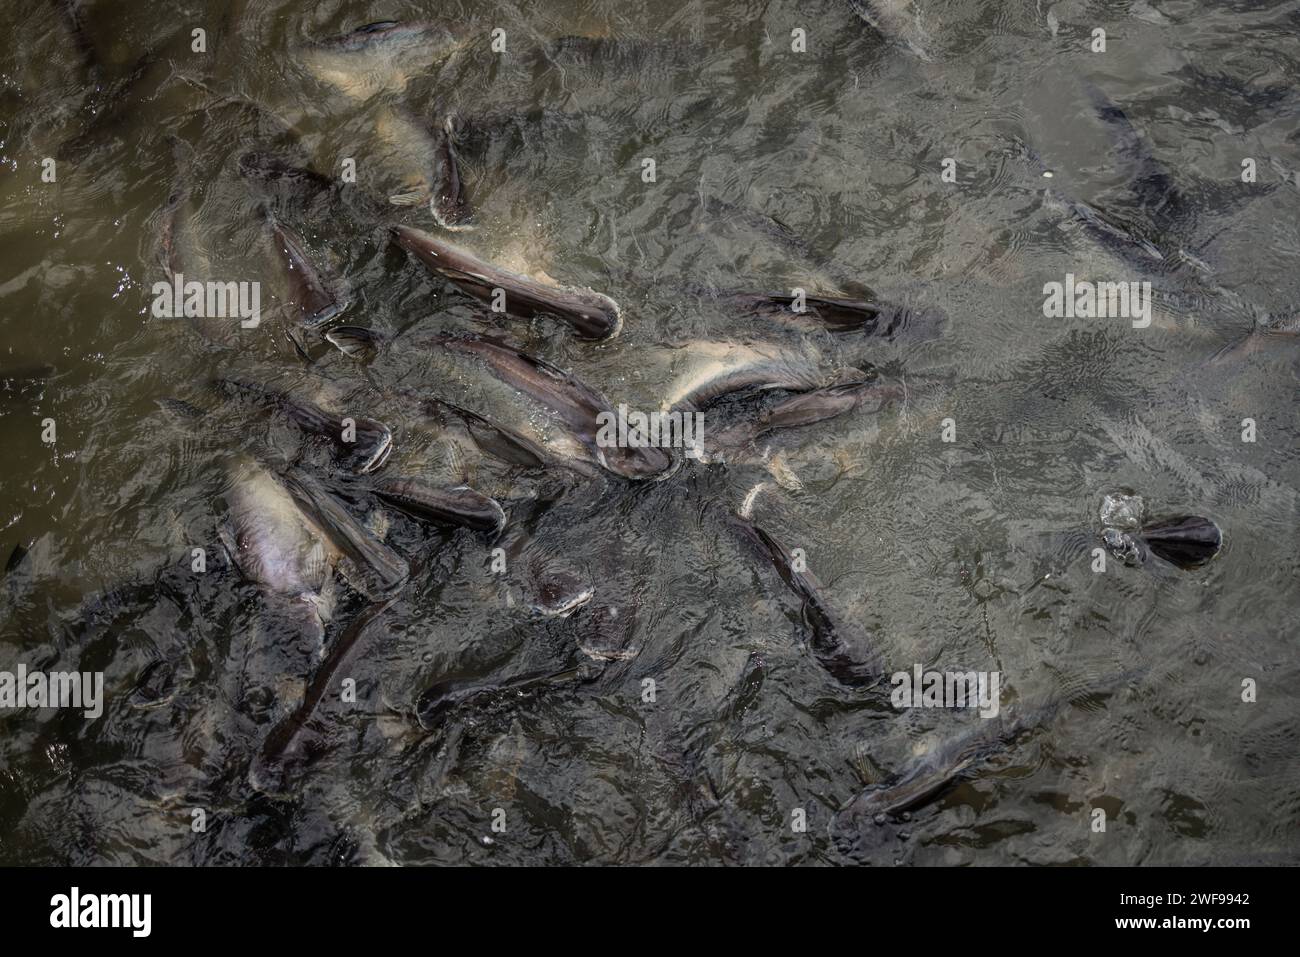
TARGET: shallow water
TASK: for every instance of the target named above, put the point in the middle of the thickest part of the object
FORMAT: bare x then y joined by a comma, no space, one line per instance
967,555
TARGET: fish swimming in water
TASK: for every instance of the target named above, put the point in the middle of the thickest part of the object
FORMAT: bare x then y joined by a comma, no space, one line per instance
382,57
1186,541
439,700
834,313
277,547
828,645
590,314
804,408
714,369
450,205
362,445
576,404
313,299
455,505
370,566
937,770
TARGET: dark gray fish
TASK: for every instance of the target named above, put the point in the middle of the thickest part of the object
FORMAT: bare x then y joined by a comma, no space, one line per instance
451,205
1156,193
576,404
364,447
288,742
180,409
838,314
1186,541
933,773
803,409
314,298
369,565
297,180
1270,329
455,505
590,314
829,647
960,757
439,700
71,13
498,441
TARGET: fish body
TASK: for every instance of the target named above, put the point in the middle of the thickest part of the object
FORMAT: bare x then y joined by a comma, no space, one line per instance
314,299
455,505
805,408
370,566
829,647
361,444
276,546
381,57
577,406
590,314
714,369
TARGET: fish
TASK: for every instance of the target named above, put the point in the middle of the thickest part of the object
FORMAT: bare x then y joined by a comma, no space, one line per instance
532,440
899,22
278,547
285,742
1161,201
382,57
407,159
937,770
455,505
1268,329
1185,541
834,313
368,565
314,298
363,446
576,404
716,369
590,314
802,409
502,443
828,645
450,206
444,697
356,341
303,186
960,757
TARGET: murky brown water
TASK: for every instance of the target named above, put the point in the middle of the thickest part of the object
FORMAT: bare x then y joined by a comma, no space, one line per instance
969,555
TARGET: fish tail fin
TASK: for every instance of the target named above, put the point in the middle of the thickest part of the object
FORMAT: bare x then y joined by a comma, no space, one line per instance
1247,345
354,341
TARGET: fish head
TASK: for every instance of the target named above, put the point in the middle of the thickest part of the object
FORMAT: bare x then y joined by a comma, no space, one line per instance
557,589
639,464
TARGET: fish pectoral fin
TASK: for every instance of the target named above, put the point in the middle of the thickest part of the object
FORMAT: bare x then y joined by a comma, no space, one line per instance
412,197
